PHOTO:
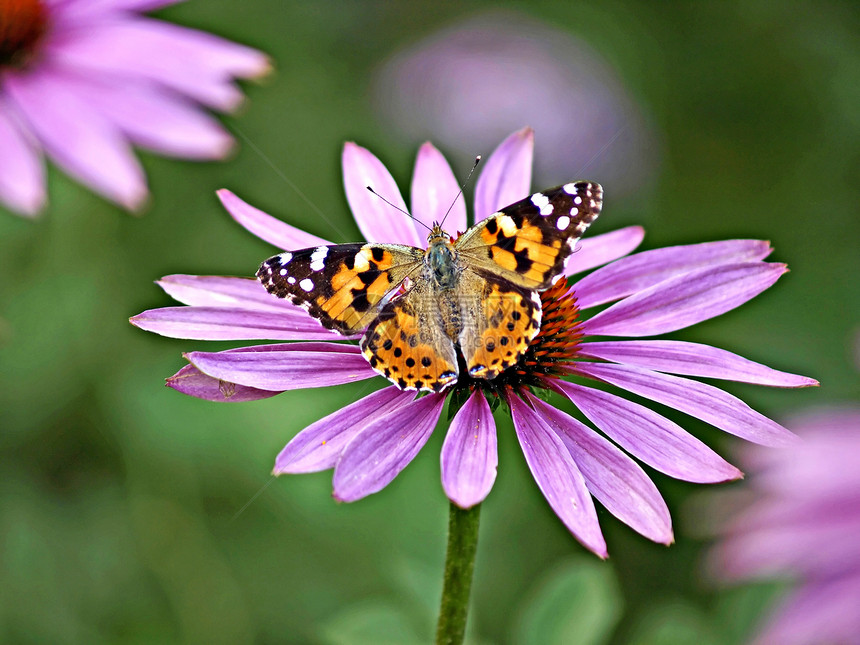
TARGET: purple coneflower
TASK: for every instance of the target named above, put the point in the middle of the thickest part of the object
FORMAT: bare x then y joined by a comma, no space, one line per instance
370,441
82,80
802,524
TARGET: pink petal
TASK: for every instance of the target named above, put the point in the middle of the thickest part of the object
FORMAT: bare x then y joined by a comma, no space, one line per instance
266,227
705,402
657,441
189,62
219,291
794,546
159,120
820,612
377,221
78,138
222,323
507,174
191,381
319,446
611,476
22,171
469,458
600,249
384,447
557,476
691,359
87,8
638,272
685,300
434,188
212,54
285,367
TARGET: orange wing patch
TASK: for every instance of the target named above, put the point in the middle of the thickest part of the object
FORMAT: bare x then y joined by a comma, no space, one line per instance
413,356
508,319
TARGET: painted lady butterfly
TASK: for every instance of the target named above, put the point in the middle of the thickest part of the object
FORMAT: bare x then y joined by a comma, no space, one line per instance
469,303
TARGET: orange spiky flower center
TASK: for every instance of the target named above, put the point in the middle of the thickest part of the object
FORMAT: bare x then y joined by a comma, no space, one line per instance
22,25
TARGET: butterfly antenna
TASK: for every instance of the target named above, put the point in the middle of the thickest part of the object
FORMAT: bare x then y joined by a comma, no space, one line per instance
469,176
408,214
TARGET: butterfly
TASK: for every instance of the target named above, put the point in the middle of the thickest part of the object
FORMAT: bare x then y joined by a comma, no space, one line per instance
466,305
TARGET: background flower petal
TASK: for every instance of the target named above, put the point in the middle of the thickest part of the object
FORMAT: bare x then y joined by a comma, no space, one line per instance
266,227
22,170
89,7
189,62
642,270
557,476
824,611
319,446
469,455
285,367
650,437
78,138
600,249
384,448
222,323
434,188
159,120
191,381
507,174
685,300
691,359
378,221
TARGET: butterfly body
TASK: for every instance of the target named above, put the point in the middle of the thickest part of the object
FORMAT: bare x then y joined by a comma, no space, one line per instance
471,301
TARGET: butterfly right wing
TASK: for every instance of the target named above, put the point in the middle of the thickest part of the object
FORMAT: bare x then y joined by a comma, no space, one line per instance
527,243
343,286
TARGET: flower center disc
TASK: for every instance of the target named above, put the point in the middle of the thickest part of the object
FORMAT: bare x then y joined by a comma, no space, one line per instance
22,24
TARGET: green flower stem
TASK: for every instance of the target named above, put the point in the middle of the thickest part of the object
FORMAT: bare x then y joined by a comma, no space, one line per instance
459,565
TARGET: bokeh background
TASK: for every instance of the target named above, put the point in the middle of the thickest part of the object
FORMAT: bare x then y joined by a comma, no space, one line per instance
133,514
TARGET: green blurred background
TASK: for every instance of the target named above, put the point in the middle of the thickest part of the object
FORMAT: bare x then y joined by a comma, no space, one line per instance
133,514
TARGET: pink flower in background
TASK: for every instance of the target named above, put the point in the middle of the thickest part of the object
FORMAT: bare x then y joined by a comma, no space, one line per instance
369,442
83,80
467,85
803,524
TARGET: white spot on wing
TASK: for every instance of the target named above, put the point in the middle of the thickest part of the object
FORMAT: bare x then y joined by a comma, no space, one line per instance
283,272
285,257
318,258
507,225
291,280
542,202
362,258
562,223
306,284
570,189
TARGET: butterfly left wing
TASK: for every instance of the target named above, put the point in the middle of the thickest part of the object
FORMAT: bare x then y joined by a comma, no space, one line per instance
528,242
343,286
407,344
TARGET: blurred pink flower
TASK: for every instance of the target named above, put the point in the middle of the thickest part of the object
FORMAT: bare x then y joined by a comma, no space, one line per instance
803,523
468,85
83,80
369,442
